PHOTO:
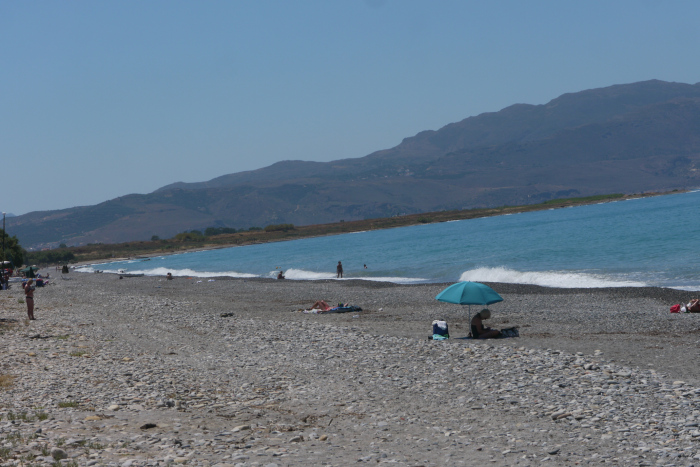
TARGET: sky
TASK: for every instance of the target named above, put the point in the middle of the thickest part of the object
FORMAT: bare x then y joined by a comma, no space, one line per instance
103,99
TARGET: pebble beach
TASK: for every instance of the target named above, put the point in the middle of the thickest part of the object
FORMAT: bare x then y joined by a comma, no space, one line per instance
143,371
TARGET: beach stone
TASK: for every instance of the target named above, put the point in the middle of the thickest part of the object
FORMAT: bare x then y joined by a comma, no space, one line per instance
58,454
372,381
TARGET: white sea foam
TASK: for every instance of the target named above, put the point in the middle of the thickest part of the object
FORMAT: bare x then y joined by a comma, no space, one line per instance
303,275
561,279
395,280
174,272
686,288
85,269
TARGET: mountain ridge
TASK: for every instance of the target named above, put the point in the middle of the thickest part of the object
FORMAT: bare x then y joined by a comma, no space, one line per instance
626,138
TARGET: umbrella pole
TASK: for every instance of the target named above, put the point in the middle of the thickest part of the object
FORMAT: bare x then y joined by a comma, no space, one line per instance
470,321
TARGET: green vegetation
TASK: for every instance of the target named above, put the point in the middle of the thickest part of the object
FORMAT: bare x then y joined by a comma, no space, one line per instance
279,227
279,232
586,199
67,404
60,256
13,250
191,236
211,231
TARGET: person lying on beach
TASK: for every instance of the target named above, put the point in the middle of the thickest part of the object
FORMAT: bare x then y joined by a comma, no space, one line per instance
321,305
478,329
693,306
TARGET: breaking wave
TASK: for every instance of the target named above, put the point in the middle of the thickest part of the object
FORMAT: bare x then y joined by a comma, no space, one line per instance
164,271
566,280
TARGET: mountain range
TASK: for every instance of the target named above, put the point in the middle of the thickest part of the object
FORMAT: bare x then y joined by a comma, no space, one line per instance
627,138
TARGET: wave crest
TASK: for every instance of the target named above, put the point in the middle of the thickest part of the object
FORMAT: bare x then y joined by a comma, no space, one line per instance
561,279
175,272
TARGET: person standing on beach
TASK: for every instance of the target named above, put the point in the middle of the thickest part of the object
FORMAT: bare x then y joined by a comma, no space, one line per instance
339,269
29,298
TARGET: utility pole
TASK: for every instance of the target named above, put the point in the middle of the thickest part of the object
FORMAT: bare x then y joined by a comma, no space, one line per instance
3,240
2,267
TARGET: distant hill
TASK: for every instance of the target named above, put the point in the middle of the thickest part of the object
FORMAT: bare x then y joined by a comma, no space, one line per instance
620,139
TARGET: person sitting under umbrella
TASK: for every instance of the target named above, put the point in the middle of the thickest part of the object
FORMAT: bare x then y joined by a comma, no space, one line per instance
479,331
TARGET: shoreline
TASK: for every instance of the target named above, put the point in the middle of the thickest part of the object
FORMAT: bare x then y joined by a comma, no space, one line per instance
386,223
229,373
673,291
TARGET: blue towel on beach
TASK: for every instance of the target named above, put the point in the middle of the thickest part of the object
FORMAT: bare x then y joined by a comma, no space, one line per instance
344,309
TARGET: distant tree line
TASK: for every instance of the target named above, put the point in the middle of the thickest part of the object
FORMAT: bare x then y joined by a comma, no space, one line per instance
279,227
211,231
198,236
49,257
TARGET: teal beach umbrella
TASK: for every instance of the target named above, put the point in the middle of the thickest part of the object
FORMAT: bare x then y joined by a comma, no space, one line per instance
469,293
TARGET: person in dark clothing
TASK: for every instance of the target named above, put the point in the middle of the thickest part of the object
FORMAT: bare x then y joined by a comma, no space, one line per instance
478,329
339,269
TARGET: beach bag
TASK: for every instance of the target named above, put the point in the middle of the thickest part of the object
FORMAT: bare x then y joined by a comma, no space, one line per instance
440,331
676,309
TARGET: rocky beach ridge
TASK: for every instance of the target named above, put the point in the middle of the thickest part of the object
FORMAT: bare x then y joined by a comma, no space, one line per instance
144,372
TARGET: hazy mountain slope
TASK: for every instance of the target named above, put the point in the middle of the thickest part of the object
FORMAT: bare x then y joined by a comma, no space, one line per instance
625,138
514,124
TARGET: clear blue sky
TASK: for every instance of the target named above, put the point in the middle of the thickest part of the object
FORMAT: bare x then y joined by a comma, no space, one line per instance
100,99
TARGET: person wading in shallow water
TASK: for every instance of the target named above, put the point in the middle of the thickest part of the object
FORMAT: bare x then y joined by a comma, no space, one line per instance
29,298
339,268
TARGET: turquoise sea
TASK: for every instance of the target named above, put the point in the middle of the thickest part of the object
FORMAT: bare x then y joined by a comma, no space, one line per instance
642,242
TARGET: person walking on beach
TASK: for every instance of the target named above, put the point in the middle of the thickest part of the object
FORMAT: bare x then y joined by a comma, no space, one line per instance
29,298
339,269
